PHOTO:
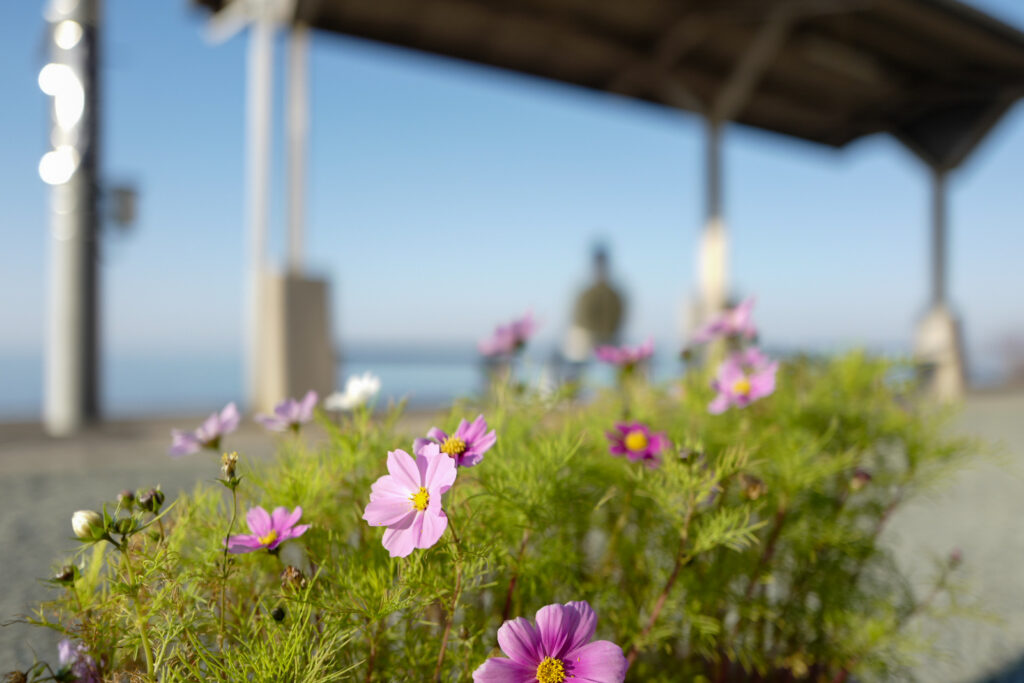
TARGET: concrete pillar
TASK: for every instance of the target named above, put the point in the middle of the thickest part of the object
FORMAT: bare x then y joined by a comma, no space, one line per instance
71,384
712,256
298,132
259,112
938,345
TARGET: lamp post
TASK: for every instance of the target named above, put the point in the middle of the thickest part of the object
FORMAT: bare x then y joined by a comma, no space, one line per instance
71,389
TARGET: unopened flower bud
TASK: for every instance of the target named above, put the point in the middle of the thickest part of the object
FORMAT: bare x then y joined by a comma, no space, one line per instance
87,525
277,613
753,488
151,500
228,463
292,578
956,557
15,677
126,498
124,525
860,479
66,575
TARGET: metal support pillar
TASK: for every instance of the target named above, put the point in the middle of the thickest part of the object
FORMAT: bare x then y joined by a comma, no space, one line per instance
712,266
298,133
938,344
71,385
939,235
259,112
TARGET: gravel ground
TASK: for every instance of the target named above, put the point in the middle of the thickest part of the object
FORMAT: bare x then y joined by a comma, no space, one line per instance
42,481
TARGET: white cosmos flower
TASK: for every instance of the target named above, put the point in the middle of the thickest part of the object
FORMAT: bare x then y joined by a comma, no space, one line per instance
359,389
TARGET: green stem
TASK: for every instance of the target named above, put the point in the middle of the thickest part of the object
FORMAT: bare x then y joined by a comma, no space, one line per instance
456,594
682,558
224,577
139,621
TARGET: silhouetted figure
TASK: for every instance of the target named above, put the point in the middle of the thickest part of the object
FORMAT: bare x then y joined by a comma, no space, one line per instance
597,315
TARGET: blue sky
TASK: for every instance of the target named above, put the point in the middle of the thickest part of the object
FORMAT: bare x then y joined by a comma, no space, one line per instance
445,198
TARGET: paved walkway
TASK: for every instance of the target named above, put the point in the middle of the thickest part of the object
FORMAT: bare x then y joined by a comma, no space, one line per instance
42,481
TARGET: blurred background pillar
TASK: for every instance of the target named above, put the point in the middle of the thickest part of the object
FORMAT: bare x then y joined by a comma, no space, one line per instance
938,344
712,254
297,122
298,353
71,167
259,113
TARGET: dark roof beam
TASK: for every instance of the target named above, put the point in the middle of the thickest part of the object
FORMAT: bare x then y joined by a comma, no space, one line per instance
653,72
949,31
741,83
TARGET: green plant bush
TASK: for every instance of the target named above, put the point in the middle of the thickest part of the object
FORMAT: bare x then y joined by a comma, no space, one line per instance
751,553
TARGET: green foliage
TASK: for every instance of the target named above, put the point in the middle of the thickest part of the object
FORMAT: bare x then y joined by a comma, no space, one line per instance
751,553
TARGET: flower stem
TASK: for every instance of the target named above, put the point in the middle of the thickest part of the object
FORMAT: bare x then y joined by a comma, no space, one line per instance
139,621
682,558
515,577
224,577
456,594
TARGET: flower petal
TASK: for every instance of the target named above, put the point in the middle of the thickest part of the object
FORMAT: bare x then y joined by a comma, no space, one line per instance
386,510
500,670
439,470
601,661
282,520
243,543
586,625
520,640
403,468
258,521
229,418
431,528
400,540
556,624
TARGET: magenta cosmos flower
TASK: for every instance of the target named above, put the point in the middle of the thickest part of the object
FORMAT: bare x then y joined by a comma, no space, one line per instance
557,649
734,322
742,378
636,441
268,530
290,414
207,435
507,339
407,500
466,446
76,664
625,356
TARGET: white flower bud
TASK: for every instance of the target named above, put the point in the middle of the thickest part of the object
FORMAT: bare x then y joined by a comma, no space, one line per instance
87,524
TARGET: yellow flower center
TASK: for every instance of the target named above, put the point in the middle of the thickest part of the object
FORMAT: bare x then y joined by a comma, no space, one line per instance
550,671
453,446
420,499
636,440
741,386
269,538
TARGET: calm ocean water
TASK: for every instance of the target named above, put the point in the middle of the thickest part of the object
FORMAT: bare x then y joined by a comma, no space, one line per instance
141,386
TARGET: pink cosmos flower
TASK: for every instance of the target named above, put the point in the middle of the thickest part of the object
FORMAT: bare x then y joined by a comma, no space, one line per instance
268,531
77,663
637,442
507,339
742,378
467,445
734,322
290,414
207,435
625,356
407,500
557,649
